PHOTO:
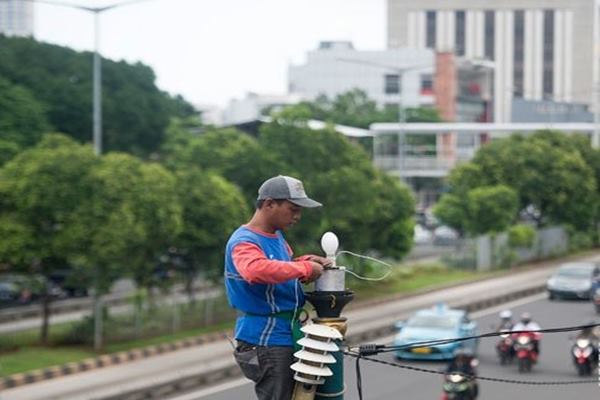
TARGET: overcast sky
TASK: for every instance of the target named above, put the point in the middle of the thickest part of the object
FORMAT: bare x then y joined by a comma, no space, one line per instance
212,50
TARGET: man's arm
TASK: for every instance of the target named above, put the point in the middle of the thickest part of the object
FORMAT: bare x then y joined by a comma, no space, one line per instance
254,266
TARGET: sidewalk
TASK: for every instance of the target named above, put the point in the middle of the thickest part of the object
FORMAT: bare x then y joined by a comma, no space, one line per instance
213,362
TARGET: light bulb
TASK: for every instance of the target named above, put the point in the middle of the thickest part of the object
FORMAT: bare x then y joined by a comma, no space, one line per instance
329,244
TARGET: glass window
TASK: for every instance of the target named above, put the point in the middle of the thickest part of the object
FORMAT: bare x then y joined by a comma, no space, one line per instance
490,26
459,37
392,83
548,80
430,29
519,53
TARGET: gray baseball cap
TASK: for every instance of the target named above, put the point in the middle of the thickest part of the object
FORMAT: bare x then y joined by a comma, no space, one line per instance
286,188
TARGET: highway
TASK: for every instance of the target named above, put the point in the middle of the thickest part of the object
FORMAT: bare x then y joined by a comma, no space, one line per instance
381,382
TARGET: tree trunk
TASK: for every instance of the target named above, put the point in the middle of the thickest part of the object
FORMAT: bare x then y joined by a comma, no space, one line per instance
189,288
98,317
44,333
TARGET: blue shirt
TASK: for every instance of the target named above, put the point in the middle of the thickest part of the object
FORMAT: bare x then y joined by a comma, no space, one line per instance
258,302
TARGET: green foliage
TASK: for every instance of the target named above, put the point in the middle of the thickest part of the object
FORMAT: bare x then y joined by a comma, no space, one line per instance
353,108
452,210
135,111
22,119
131,220
212,209
491,209
228,152
554,182
521,235
368,210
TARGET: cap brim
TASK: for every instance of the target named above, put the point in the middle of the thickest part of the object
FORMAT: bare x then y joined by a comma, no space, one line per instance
306,203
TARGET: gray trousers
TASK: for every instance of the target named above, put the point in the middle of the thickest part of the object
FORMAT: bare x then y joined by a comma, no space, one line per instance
268,368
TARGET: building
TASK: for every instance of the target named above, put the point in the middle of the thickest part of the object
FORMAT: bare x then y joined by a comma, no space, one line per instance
387,76
16,18
254,106
542,49
421,155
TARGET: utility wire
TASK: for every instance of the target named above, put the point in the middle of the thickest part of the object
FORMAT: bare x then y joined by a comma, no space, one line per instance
483,378
372,349
376,348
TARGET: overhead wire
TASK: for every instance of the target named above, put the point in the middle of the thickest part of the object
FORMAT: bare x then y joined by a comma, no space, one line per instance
372,349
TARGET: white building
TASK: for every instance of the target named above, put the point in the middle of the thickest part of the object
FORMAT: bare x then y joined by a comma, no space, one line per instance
543,49
255,105
16,18
336,67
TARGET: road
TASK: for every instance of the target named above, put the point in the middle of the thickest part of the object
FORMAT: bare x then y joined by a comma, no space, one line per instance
382,382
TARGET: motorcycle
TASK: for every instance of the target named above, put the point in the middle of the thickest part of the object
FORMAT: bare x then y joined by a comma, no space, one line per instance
525,351
583,354
504,349
457,387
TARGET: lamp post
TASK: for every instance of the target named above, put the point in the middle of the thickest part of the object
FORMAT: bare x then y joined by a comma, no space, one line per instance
97,67
97,123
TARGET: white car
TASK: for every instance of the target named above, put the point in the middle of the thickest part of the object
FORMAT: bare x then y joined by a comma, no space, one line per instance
422,235
445,235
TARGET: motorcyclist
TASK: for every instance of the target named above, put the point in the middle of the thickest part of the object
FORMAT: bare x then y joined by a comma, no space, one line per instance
465,362
526,324
590,334
506,323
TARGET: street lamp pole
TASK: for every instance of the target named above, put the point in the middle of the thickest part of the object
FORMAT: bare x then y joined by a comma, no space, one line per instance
97,125
97,96
97,63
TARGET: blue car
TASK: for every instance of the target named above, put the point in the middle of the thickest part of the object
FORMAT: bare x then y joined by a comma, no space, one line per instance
436,323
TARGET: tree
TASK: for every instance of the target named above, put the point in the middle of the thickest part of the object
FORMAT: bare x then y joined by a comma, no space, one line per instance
491,209
554,183
369,211
233,154
212,209
452,210
136,112
22,120
39,191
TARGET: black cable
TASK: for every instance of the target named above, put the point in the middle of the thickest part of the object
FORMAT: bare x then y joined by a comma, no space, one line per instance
471,377
374,349
358,378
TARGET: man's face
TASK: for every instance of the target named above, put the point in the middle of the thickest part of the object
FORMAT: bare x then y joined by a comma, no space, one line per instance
284,214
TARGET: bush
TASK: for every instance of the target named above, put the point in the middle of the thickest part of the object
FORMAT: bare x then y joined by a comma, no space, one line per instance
521,235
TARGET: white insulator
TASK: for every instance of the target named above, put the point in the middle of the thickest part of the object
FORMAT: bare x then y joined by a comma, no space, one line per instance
314,357
323,331
317,343
311,369
309,343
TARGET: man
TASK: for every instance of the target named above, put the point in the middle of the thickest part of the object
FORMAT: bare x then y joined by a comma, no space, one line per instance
465,363
506,323
263,284
526,324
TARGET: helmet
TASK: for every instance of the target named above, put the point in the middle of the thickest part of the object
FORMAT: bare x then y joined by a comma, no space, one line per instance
506,314
525,318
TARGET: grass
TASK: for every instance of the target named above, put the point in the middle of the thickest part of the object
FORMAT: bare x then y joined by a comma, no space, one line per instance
23,353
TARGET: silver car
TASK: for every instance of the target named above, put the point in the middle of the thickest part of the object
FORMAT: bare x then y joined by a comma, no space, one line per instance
573,280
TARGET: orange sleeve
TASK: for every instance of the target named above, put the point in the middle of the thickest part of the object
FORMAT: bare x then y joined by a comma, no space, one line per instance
254,266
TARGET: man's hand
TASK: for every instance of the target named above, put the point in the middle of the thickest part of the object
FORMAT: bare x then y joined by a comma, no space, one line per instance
317,270
325,262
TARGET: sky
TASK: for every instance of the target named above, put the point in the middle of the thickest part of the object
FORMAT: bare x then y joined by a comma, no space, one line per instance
213,51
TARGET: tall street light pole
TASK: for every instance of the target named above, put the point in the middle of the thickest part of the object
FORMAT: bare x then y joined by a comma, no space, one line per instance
97,124
97,66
